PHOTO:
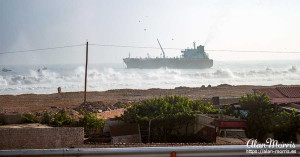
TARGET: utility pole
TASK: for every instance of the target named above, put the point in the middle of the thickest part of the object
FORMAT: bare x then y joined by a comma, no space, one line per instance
86,64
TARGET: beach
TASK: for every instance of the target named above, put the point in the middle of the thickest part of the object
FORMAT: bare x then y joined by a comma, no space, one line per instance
113,99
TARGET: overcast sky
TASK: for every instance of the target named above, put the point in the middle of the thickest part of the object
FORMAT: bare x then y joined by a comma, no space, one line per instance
268,25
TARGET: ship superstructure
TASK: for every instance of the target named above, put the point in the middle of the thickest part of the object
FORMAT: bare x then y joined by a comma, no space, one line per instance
195,58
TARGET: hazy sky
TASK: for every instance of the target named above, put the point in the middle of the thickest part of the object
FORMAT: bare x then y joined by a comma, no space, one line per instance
269,25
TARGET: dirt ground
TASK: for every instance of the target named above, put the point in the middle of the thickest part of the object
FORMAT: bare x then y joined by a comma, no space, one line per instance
15,104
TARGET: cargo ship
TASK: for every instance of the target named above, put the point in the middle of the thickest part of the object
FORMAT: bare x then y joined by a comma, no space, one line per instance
195,58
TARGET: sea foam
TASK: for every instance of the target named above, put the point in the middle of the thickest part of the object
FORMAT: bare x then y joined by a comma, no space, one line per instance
102,78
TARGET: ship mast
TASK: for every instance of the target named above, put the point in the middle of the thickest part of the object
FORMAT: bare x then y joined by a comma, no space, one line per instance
161,49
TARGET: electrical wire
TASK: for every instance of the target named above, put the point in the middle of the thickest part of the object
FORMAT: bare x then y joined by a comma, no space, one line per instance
126,46
256,51
143,47
41,49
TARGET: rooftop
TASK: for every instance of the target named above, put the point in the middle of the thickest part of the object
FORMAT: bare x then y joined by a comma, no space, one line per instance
281,95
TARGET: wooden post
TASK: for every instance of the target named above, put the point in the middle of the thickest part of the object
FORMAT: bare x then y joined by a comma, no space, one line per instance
86,64
149,129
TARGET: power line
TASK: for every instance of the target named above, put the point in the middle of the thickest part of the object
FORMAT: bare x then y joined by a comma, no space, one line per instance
254,51
41,49
143,47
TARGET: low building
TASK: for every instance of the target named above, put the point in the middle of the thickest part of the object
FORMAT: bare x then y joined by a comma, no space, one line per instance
126,133
212,126
284,98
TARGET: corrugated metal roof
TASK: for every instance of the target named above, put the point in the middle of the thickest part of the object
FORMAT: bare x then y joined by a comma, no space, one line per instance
290,92
290,108
296,106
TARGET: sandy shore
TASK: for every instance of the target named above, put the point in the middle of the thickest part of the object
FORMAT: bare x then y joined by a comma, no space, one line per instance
13,104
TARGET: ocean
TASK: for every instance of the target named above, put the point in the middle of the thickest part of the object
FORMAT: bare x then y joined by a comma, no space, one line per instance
25,79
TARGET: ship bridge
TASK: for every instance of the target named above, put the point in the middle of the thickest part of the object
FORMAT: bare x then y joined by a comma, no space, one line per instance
195,53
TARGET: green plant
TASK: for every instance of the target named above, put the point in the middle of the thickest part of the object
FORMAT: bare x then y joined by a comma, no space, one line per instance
91,121
166,115
30,118
47,118
62,119
286,125
228,110
260,118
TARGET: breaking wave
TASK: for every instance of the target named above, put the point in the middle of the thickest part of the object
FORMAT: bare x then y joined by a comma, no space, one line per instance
47,81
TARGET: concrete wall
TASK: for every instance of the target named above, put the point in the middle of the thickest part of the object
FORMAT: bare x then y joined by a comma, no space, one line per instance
127,139
11,119
39,138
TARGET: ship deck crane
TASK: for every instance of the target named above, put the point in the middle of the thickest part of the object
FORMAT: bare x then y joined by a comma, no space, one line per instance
161,49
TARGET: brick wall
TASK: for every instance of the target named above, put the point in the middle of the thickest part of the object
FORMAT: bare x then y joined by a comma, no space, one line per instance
40,138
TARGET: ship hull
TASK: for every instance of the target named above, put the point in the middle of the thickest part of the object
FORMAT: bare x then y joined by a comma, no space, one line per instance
173,63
